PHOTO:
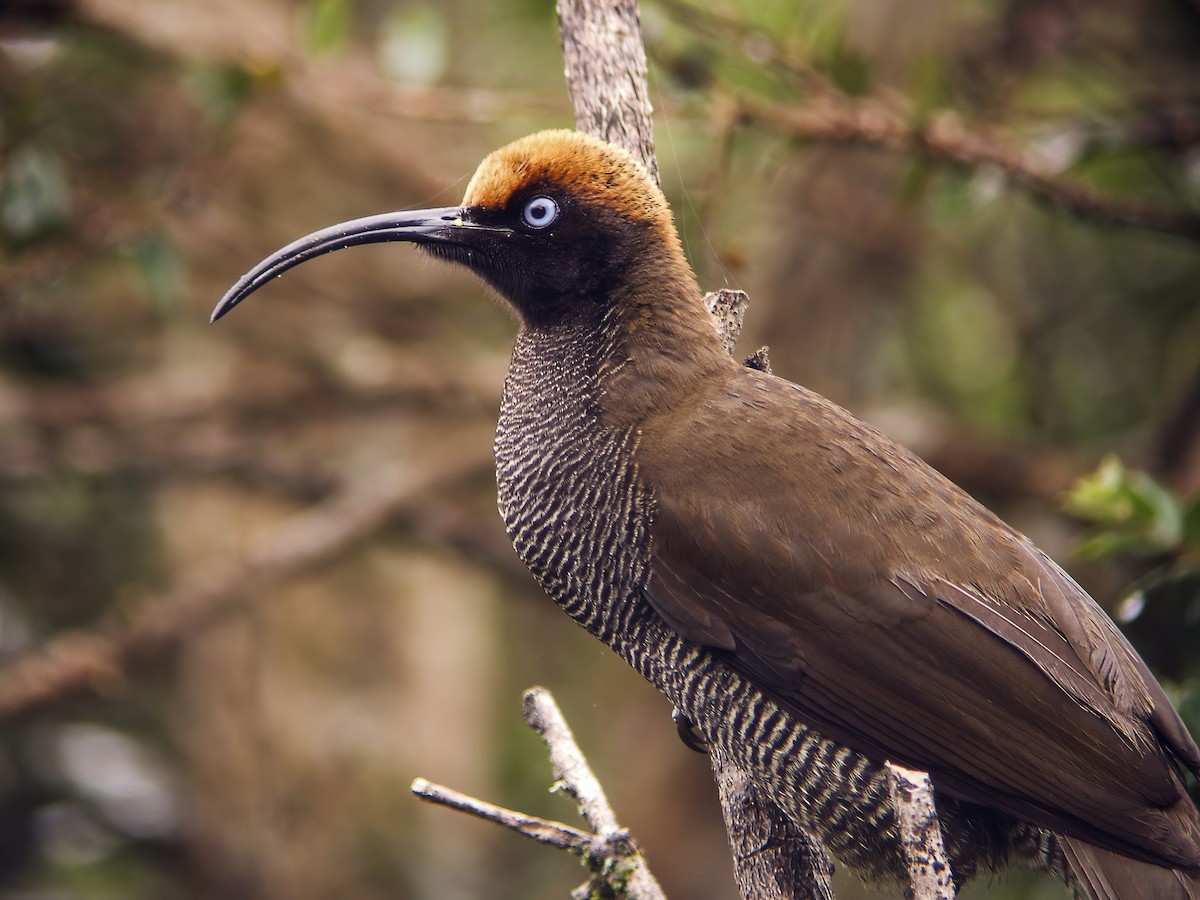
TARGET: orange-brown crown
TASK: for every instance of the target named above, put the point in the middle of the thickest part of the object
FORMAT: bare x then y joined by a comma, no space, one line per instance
589,168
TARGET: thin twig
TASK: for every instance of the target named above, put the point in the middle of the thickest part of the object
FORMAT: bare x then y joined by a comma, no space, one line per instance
610,854
571,769
544,831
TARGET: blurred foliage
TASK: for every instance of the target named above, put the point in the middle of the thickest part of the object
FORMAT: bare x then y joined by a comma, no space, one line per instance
327,24
1133,512
34,200
149,153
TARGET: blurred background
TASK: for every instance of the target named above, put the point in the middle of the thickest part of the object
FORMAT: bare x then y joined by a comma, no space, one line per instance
284,526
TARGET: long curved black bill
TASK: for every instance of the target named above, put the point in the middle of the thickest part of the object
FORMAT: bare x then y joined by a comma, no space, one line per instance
419,226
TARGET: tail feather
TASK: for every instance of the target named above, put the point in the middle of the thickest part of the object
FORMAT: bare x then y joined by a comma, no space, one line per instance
1103,875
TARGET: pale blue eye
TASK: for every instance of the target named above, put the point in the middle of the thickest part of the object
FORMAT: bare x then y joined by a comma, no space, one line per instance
540,212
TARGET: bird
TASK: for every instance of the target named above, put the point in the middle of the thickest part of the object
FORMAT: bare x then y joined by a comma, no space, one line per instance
813,598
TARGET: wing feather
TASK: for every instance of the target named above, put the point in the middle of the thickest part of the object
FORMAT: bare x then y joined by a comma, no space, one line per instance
902,618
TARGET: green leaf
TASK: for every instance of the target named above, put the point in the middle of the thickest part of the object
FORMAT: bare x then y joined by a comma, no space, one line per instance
1100,496
1132,511
1191,524
1102,544
326,25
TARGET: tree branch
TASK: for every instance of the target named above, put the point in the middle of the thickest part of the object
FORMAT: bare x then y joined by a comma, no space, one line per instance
605,63
772,858
929,876
945,138
628,868
544,831
606,75
610,854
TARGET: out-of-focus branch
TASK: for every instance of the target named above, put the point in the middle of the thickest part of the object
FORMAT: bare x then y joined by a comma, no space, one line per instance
832,116
791,64
945,138
383,99
100,658
610,854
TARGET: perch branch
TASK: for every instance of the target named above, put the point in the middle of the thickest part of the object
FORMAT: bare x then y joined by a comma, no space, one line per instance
929,876
606,75
605,62
772,859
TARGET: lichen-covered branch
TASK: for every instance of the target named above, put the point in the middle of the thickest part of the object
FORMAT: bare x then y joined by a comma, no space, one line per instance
624,864
617,866
929,876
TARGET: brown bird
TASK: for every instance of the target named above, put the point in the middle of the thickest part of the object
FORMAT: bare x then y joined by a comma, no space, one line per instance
812,596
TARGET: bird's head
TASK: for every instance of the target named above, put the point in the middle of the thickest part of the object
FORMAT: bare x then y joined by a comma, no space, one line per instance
554,221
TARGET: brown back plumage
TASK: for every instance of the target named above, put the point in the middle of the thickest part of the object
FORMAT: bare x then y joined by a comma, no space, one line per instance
895,613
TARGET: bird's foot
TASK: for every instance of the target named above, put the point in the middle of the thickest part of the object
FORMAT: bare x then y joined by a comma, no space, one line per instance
686,729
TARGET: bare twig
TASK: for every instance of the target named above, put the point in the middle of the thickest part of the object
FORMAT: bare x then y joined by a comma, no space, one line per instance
573,774
544,831
98,658
929,876
610,854
571,769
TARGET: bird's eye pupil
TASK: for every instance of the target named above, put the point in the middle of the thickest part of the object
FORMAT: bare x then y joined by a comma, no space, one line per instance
540,212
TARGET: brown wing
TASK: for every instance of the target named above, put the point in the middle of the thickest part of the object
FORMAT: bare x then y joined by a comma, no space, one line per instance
861,588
